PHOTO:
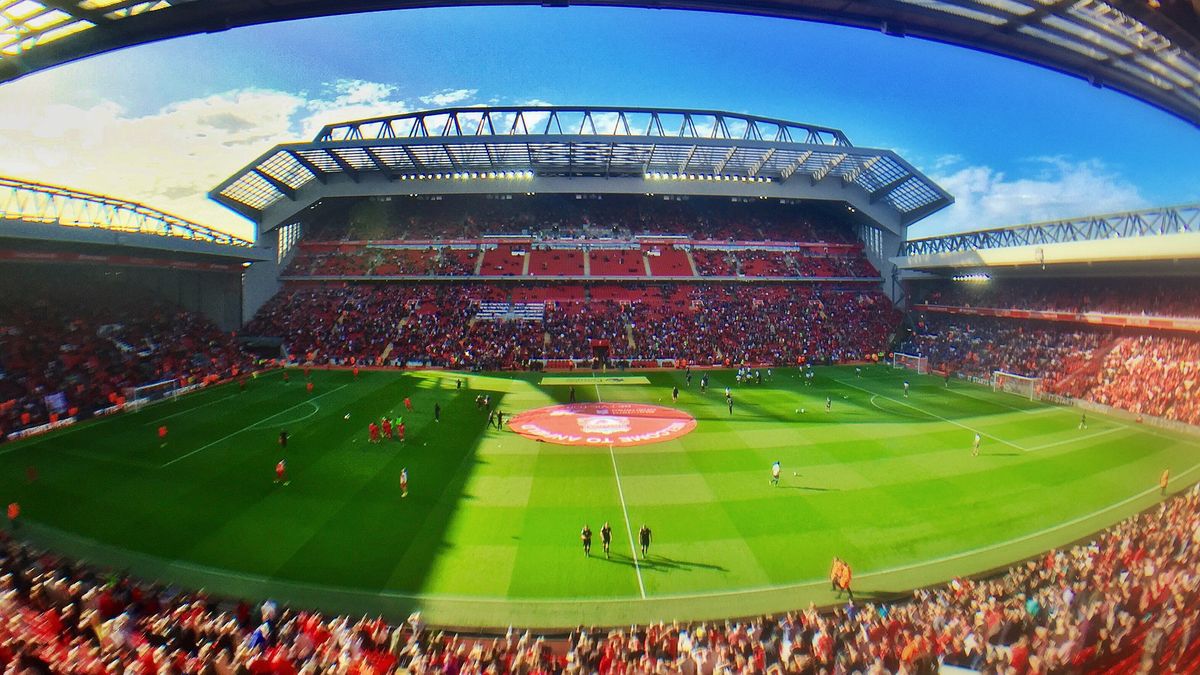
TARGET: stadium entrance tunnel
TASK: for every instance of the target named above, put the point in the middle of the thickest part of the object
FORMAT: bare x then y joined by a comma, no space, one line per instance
603,424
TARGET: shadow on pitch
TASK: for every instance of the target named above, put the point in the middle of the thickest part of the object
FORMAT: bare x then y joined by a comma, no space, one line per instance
810,488
662,563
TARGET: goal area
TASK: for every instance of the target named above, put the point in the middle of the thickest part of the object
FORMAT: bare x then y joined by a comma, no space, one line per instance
1021,385
911,362
136,397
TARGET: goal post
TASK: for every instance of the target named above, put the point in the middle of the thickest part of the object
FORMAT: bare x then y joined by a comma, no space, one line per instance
136,397
1021,385
911,362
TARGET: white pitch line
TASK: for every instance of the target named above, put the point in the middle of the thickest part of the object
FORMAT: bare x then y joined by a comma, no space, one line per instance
1077,438
181,412
316,409
637,567
249,427
1027,411
934,415
477,599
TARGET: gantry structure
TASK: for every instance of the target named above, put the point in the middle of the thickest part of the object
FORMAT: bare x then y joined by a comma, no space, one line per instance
26,202
580,149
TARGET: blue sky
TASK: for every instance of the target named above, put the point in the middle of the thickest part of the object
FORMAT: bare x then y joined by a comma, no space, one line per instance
163,123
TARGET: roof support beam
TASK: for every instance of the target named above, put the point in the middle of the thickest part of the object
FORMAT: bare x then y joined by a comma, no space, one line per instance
762,161
733,148
346,167
683,166
381,165
823,171
859,170
795,165
315,170
883,190
283,187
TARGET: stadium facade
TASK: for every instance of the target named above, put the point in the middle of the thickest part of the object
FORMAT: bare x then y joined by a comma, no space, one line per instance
533,150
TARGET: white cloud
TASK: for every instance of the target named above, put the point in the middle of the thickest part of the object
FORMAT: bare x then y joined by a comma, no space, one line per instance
1054,188
169,158
447,97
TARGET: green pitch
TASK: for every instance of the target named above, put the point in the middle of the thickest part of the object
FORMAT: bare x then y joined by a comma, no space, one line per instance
489,534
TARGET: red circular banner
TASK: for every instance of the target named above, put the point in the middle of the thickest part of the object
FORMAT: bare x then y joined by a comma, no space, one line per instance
602,424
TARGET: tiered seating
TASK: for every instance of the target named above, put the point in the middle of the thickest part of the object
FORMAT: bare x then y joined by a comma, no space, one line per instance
556,292
1169,297
667,261
500,261
510,311
617,263
700,323
86,346
555,262
765,264
1148,373
397,262
712,263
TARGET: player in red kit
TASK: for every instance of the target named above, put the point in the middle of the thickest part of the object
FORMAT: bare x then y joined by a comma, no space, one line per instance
281,473
162,436
356,372
309,387
373,432
407,403
400,431
387,427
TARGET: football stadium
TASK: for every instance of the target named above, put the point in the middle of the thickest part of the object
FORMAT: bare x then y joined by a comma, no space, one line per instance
542,389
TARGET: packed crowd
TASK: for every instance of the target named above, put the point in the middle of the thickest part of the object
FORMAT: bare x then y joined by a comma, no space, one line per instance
562,217
1151,375
358,259
72,350
979,346
700,323
1174,297
1126,602
1154,373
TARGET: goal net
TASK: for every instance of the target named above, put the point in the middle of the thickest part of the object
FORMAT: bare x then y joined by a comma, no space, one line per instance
1027,387
136,397
911,362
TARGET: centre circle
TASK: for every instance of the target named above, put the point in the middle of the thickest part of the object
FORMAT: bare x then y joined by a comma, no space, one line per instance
603,424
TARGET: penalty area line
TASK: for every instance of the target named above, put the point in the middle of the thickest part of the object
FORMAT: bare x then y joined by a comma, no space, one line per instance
182,412
250,426
933,415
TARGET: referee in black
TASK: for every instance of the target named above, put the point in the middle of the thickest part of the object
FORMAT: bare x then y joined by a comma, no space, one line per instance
586,536
644,537
606,537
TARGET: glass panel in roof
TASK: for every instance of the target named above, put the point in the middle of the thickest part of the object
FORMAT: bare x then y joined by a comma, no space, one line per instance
63,31
957,10
21,10
51,18
1010,6
1087,34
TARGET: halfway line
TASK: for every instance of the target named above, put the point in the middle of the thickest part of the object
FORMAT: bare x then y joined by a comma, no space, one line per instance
624,509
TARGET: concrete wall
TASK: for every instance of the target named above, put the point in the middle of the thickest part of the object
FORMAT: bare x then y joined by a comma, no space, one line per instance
260,281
